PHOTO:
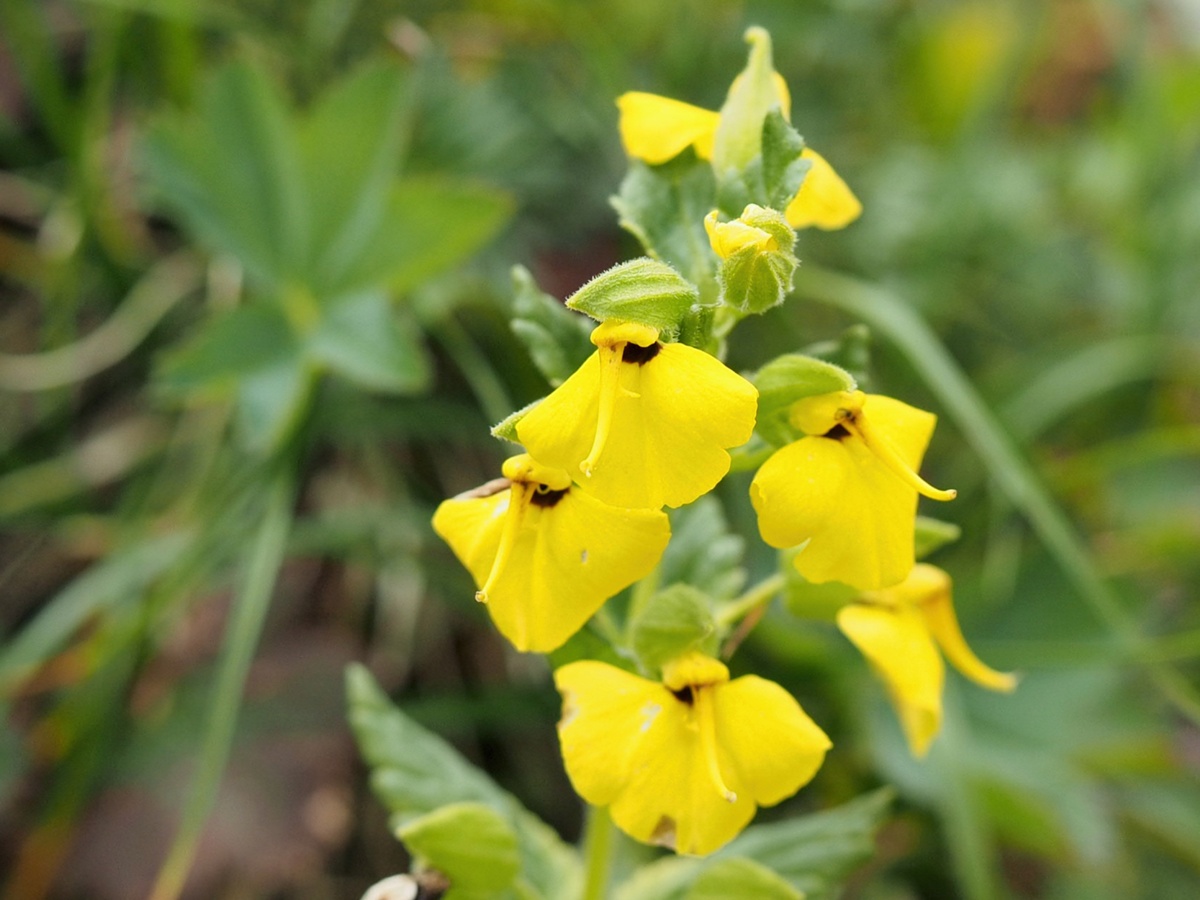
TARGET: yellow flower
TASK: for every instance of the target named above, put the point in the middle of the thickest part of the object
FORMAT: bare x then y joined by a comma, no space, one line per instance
684,763
544,554
728,238
655,129
645,423
899,629
848,490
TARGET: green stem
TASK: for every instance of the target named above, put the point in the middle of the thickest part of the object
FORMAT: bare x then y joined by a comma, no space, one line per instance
1015,477
761,593
264,558
598,849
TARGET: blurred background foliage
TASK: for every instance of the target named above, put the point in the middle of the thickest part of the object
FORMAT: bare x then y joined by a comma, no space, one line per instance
254,302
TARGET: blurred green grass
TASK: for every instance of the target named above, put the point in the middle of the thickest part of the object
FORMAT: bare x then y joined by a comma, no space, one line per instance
1031,179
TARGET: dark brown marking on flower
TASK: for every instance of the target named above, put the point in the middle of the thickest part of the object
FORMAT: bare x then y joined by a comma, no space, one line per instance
685,695
837,432
495,486
640,355
545,497
664,833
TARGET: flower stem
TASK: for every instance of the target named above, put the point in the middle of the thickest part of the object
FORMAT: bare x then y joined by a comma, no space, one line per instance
760,594
598,847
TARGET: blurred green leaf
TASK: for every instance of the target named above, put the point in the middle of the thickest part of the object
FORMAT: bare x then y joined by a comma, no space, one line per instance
366,339
472,844
428,224
933,534
703,551
557,339
739,877
816,852
351,144
673,622
811,854
414,772
232,173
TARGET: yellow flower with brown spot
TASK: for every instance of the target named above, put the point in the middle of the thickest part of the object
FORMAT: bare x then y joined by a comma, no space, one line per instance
847,491
644,423
544,553
656,129
686,762
900,630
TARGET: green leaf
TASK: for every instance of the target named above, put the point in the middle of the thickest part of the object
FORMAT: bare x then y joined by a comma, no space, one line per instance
815,853
703,552
351,144
933,534
231,172
369,341
739,877
643,290
787,379
472,844
783,169
414,772
226,349
556,338
673,622
428,225
271,401
664,208
664,879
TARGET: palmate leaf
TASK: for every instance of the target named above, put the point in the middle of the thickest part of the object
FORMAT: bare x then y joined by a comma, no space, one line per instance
414,773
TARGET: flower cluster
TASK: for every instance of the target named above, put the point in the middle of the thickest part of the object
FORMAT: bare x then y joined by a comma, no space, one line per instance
684,757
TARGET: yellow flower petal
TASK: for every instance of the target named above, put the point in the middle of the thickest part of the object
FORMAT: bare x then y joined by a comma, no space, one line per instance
672,417
824,200
727,238
930,589
898,645
655,129
650,752
834,493
773,746
564,561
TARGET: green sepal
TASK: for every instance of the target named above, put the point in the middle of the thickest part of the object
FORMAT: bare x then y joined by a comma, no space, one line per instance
643,291
556,338
740,877
933,534
664,208
754,280
470,843
676,620
789,378
506,429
